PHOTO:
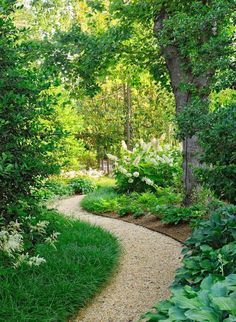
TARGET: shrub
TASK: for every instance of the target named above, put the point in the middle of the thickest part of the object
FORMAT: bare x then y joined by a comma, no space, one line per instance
218,140
81,185
146,167
53,188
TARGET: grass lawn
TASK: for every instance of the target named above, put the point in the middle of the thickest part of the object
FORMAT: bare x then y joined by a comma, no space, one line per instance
84,259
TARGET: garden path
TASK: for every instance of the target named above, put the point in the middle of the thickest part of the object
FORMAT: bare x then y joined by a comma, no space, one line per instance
144,275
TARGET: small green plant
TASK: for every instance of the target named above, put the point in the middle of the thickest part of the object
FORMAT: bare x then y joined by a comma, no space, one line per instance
103,199
130,205
174,214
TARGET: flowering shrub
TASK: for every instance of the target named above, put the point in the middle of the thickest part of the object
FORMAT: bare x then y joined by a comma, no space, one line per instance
18,240
147,166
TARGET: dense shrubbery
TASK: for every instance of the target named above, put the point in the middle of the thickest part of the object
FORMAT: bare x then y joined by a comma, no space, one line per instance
204,288
59,186
147,166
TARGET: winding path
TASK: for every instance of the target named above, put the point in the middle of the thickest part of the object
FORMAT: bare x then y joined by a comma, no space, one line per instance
145,273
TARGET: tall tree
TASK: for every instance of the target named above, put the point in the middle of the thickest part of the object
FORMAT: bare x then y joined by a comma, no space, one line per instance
195,40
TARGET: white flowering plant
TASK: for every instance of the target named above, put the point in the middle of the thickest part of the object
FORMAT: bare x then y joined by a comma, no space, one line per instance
148,166
20,236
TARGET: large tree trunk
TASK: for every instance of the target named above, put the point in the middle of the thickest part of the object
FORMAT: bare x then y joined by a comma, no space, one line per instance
178,77
128,115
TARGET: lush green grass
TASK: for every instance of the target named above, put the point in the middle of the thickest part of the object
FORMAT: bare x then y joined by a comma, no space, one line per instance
84,258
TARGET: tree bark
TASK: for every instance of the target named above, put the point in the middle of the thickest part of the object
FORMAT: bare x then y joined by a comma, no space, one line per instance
128,115
178,77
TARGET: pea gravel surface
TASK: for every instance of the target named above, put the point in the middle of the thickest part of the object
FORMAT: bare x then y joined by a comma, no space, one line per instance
147,268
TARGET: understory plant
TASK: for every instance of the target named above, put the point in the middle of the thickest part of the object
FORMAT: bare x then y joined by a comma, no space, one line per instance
205,286
147,166
19,237
60,186
81,185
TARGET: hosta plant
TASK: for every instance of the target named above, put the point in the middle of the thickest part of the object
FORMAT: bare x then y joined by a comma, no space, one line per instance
147,167
215,301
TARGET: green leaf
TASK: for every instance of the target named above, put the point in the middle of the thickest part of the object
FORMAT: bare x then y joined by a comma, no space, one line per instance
203,315
225,304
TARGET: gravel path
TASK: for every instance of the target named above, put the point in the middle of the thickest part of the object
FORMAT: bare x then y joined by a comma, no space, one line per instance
145,273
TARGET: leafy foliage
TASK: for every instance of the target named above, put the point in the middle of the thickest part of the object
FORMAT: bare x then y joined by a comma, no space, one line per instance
101,200
27,142
215,301
137,204
81,185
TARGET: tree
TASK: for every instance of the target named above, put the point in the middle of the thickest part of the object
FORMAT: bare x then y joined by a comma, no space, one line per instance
195,40
26,113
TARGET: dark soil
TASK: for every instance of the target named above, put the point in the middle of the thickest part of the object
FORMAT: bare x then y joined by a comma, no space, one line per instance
179,232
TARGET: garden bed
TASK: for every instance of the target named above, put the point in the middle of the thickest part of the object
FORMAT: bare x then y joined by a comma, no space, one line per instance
178,232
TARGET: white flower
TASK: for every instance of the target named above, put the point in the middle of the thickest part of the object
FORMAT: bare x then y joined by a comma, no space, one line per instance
22,258
122,170
148,181
124,145
154,142
136,174
127,159
128,175
40,227
11,242
166,158
52,238
130,180
112,157
137,160
14,243
36,261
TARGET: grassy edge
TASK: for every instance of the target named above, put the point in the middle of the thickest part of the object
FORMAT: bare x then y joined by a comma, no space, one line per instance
99,253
